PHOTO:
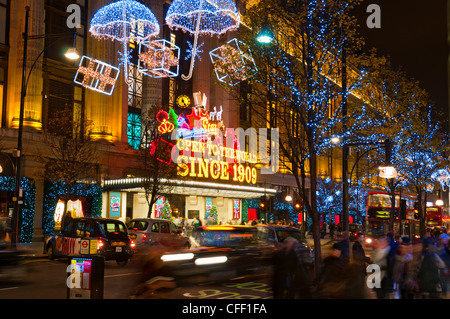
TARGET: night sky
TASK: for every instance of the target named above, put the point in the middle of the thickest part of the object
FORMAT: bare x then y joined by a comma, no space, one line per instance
414,34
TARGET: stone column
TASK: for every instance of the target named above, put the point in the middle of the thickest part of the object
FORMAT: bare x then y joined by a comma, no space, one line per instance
105,111
33,99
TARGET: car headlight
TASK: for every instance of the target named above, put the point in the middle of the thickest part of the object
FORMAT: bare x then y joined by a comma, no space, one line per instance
211,260
177,257
369,240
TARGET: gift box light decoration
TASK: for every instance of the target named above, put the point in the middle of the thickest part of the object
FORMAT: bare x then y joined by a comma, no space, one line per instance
202,17
233,62
159,58
162,150
96,75
124,21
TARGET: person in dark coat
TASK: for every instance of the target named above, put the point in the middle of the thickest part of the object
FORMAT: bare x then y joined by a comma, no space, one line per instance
290,279
390,260
332,229
66,219
332,281
359,262
344,247
429,275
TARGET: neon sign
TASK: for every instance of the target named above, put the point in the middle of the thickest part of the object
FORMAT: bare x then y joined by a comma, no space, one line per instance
165,126
202,167
197,142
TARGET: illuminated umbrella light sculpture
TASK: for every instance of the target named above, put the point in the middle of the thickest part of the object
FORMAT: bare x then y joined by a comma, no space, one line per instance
124,21
202,17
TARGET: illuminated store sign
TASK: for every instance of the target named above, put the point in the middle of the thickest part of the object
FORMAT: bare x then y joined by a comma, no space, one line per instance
198,145
224,163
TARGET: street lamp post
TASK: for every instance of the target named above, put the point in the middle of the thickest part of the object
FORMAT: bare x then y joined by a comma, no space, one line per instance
387,171
18,152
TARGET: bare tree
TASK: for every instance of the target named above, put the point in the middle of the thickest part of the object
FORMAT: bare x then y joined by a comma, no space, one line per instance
298,85
155,161
70,155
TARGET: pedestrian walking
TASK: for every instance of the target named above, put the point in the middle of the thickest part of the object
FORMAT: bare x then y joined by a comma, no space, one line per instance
284,263
401,271
444,254
359,261
429,275
299,285
331,283
66,219
344,247
393,244
380,254
196,222
332,229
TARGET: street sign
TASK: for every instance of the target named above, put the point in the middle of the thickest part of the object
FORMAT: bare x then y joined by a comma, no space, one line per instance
88,247
85,245
93,247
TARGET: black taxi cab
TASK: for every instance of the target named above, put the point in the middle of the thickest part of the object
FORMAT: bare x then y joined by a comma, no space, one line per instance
99,236
218,253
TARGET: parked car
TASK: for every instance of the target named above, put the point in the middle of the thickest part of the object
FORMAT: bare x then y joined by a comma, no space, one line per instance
110,235
278,233
157,231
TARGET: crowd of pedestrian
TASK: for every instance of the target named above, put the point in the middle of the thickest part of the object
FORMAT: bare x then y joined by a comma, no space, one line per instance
406,270
413,271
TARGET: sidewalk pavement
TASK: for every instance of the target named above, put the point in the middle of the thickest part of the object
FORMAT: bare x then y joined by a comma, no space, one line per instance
323,241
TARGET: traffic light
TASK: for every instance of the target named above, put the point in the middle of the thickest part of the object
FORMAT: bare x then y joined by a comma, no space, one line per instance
263,202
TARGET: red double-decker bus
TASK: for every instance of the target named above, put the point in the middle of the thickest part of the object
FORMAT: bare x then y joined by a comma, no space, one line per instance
378,216
434,216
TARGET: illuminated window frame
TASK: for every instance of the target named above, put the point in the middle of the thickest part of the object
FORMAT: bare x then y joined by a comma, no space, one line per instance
134,130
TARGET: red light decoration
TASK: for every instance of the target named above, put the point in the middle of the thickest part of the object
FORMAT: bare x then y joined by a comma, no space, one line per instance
192,118
337,219
165,126
164,149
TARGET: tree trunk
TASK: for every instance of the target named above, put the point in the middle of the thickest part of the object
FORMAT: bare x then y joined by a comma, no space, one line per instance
421,213
314,214
150,203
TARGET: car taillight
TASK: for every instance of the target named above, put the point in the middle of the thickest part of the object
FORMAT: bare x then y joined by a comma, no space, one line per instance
100,244
144,238
132,244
